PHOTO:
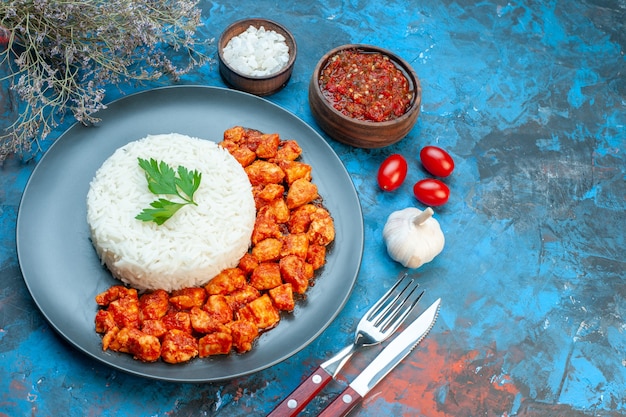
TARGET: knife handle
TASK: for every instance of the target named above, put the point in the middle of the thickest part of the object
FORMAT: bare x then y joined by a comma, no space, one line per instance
302,395
343,404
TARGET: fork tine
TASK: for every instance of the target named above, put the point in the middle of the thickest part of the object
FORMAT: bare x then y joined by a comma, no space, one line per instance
387,314
386,297
388,306
396,318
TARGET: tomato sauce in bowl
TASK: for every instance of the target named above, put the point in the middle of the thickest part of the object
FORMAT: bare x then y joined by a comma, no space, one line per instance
364,96
366,86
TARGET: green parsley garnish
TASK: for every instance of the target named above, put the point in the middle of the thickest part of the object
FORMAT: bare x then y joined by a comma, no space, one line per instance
162,180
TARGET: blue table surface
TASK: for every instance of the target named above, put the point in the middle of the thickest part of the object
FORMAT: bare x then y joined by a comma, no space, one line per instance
530,100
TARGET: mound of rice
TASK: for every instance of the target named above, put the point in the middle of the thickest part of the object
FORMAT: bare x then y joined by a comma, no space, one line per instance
192,246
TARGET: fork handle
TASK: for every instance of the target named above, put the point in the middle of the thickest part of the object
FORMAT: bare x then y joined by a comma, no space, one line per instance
302,395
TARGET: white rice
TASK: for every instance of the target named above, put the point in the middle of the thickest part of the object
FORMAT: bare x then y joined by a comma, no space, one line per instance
257,52
196,243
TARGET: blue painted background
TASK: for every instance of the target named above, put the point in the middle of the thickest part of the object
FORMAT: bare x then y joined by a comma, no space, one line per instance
530,99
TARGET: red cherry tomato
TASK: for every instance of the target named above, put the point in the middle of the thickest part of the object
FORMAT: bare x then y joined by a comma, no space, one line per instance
392,172
431,192
437,161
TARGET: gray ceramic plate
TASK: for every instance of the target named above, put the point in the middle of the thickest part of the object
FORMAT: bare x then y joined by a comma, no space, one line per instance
63,272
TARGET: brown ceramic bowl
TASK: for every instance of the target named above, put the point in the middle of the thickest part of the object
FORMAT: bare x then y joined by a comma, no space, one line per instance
258,85
363,133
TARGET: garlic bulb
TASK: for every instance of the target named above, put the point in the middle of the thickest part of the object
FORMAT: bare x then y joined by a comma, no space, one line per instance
413,237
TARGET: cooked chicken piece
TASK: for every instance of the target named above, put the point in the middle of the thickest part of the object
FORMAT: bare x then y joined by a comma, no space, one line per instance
322,228
241,297
309,272
113,293
265,227
251,137
231,146
295,244
243,155
301,218
203,322
263,172
227,281
109,338
178,320
266,276
120,341
267,249
219,308
264,194
235,134
144,347
289,150
105,321
316,256
260,312
121,316
300,193
178,346
264,145
154,327
187,298
247,263
218,343
243,333
295,170
153,305
277,211
282,297
293,271
125,310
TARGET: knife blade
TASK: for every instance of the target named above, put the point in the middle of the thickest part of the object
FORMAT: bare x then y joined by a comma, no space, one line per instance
385,362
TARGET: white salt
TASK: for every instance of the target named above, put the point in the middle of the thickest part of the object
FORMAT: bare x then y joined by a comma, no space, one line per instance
257,52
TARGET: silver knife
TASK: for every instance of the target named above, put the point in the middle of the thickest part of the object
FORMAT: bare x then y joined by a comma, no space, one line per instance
384,363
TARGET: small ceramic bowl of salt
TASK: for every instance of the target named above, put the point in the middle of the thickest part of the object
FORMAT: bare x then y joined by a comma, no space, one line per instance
256,56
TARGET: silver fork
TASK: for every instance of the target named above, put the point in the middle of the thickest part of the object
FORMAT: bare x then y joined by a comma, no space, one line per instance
376,325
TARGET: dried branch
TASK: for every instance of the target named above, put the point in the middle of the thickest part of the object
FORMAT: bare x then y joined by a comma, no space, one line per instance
60,54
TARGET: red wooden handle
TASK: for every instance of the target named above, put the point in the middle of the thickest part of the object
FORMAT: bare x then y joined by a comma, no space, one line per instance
342,405
302,395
